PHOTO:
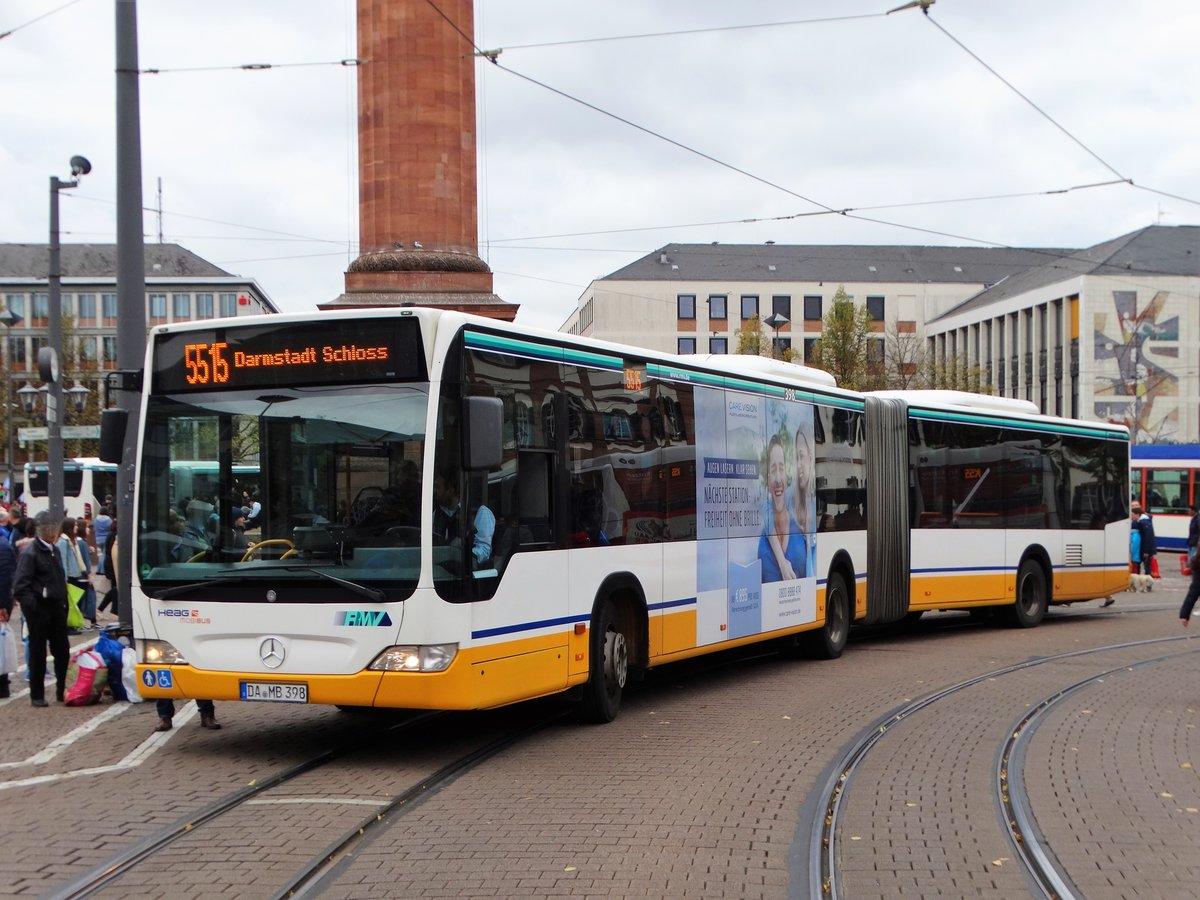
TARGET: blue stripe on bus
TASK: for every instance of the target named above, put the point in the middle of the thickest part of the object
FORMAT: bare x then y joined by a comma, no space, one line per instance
570,620
670,604
529,626
1059,568
1024,425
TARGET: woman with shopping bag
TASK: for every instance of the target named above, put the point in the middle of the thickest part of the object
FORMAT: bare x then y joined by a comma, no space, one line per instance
77,563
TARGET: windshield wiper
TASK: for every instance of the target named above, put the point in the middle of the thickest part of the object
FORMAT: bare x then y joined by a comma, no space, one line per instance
370,593
192,585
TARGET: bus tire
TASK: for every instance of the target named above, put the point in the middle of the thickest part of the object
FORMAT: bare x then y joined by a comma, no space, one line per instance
828,641
1030,606
609,667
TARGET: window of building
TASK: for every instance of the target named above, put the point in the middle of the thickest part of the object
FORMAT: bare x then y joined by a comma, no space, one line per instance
781,304
87,352
15,304
87,309
718,345
158,306
875,308
687,345
204,306
687,306
108,308
68,306
16,353
809,347
749,306
717,306
228,304
875,351
110,352
41,309
781,344
183,306
812,308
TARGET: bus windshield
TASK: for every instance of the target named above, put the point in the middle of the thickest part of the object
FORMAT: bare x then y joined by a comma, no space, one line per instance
300,490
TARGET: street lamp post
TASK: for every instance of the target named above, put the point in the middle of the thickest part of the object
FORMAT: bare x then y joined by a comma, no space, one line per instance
8,318
775,321
49,363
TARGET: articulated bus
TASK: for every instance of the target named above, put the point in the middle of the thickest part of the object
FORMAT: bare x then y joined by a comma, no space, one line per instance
459,513
1166,479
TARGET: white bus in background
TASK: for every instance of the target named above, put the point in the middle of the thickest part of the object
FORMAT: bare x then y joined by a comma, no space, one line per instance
87,481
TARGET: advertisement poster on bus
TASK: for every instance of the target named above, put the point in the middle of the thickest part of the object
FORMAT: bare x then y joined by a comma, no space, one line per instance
755,515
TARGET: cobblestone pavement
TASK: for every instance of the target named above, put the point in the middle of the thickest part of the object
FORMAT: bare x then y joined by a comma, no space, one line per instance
701,788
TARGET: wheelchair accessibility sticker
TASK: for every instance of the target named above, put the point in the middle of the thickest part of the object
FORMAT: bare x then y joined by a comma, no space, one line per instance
157,677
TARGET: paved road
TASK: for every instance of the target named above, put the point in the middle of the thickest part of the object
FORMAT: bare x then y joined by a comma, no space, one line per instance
703,787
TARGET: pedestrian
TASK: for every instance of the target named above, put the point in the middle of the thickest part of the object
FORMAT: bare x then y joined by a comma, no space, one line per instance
111,597
9,528
40,586
101,526
77,563
166,712
1149,547
8,564
1193,554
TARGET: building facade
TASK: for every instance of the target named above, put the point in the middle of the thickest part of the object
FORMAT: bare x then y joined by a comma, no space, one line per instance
1110,332
180,286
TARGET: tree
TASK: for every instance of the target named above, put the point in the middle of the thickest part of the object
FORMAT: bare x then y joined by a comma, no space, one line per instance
753,339
905,360
842,350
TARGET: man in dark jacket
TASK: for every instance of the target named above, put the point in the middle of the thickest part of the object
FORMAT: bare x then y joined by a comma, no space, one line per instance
1145,525
8,562
40,586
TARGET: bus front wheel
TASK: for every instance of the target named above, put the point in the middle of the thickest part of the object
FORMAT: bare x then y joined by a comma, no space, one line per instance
609,667
1032,601
828,641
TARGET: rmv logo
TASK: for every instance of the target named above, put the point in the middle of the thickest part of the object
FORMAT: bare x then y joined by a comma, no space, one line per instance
363,617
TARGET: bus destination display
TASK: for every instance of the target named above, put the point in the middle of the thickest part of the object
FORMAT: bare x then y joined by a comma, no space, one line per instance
289,355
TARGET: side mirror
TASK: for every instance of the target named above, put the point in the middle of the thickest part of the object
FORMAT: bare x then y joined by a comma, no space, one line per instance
483,442
113,425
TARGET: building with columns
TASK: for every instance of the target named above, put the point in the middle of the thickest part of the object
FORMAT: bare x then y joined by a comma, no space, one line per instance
1110,332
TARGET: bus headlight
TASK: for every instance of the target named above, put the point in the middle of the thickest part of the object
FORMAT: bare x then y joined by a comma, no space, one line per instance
160,653
424,658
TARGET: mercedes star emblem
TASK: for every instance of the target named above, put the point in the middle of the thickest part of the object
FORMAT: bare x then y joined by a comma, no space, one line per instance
272,652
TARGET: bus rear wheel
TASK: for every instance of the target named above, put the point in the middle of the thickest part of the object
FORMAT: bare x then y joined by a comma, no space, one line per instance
609,667
1030,608
828,641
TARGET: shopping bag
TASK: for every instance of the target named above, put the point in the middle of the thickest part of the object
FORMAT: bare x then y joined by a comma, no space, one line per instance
1185,564
110,651
86,679
74,616
8,649
129,674
1154,573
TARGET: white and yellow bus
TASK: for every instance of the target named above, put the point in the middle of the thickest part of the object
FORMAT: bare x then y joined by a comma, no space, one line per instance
459,513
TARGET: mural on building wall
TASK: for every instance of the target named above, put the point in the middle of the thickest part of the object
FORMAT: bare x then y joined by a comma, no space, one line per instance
1134,352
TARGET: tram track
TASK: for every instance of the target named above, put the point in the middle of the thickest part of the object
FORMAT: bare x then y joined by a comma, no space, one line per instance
318,869
823,848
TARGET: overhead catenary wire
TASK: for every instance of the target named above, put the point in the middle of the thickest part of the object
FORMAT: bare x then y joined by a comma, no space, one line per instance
35,19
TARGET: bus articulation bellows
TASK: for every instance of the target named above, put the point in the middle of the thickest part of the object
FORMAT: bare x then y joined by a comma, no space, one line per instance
460,514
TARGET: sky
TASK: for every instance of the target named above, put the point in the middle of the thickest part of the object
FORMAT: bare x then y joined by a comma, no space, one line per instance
697,128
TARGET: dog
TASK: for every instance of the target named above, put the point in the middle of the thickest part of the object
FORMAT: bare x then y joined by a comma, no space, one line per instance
1142,583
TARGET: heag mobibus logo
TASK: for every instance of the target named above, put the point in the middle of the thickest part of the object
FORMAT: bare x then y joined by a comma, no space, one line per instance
368,617
191,616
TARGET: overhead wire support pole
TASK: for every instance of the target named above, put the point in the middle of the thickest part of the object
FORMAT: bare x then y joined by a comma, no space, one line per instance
131,284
